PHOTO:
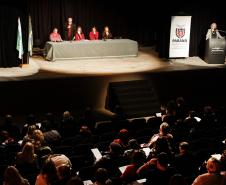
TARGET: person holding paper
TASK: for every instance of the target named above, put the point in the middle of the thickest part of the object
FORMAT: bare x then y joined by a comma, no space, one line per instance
213,32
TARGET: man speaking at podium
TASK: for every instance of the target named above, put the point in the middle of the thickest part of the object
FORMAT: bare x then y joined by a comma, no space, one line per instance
213,32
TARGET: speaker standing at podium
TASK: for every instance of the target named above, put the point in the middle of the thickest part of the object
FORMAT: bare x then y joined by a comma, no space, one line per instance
213,32
215,46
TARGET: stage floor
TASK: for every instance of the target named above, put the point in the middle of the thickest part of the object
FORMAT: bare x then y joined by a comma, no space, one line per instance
146,62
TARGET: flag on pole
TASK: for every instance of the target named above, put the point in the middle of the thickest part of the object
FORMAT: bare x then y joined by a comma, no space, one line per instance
30,37
19,43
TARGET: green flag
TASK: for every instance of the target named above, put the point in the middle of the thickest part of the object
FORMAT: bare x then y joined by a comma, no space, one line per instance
19,43
30,37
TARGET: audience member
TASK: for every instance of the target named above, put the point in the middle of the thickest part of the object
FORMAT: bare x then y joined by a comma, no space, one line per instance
13,177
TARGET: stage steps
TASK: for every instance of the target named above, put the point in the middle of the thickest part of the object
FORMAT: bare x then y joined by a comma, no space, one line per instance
137,98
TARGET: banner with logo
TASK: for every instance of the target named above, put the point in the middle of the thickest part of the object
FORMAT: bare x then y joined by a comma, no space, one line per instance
179,36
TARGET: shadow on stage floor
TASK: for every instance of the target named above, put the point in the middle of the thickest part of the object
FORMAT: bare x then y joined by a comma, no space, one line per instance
52,90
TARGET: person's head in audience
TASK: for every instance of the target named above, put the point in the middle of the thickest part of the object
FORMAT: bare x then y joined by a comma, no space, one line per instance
164,129
123,138
49,171
13,177
8,119
213,165
5,138
27,153
162,161
64,172
138,158
133,144
177,179
75,180
31,119
115,149
31,130
180,101
67,115
183,147
101,176
38,139
85,131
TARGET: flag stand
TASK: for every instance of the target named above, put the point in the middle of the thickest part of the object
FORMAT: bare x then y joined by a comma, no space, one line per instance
24,60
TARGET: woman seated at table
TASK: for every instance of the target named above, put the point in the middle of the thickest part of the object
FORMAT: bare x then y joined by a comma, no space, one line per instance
55,36
106,33
79,34
94,34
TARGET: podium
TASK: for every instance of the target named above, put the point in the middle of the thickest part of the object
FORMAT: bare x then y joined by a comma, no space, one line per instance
215,51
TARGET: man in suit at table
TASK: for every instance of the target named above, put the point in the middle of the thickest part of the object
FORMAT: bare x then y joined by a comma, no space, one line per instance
69,29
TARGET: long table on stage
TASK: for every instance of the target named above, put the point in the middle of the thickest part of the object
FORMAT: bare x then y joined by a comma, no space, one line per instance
90,49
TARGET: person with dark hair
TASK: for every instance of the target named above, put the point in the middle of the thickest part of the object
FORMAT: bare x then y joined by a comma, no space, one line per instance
13,177
102,177
11,127
112,160
213,32
123,138
130,175
94,34
185,162
157,170
75,180
69,29
48,174
177,179
106,33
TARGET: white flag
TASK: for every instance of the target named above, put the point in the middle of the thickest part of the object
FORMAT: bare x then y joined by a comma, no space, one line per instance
19,43
30,37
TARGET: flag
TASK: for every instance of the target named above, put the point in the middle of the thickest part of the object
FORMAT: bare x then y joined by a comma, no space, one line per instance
30,37
19,43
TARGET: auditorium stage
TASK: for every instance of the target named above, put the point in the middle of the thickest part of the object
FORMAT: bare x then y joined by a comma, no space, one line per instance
146,62
44,86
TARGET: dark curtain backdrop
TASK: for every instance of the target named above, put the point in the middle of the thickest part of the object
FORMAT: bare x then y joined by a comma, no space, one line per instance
147,22
9,13
138,20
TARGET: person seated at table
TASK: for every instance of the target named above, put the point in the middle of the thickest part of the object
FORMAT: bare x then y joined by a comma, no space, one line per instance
94,34
69,29
79,34
106,33
55,36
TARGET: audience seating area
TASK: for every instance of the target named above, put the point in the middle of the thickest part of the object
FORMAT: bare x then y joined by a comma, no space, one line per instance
203,129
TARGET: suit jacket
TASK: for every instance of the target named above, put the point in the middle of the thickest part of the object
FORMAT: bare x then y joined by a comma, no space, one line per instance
72,31
93,36
209,34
